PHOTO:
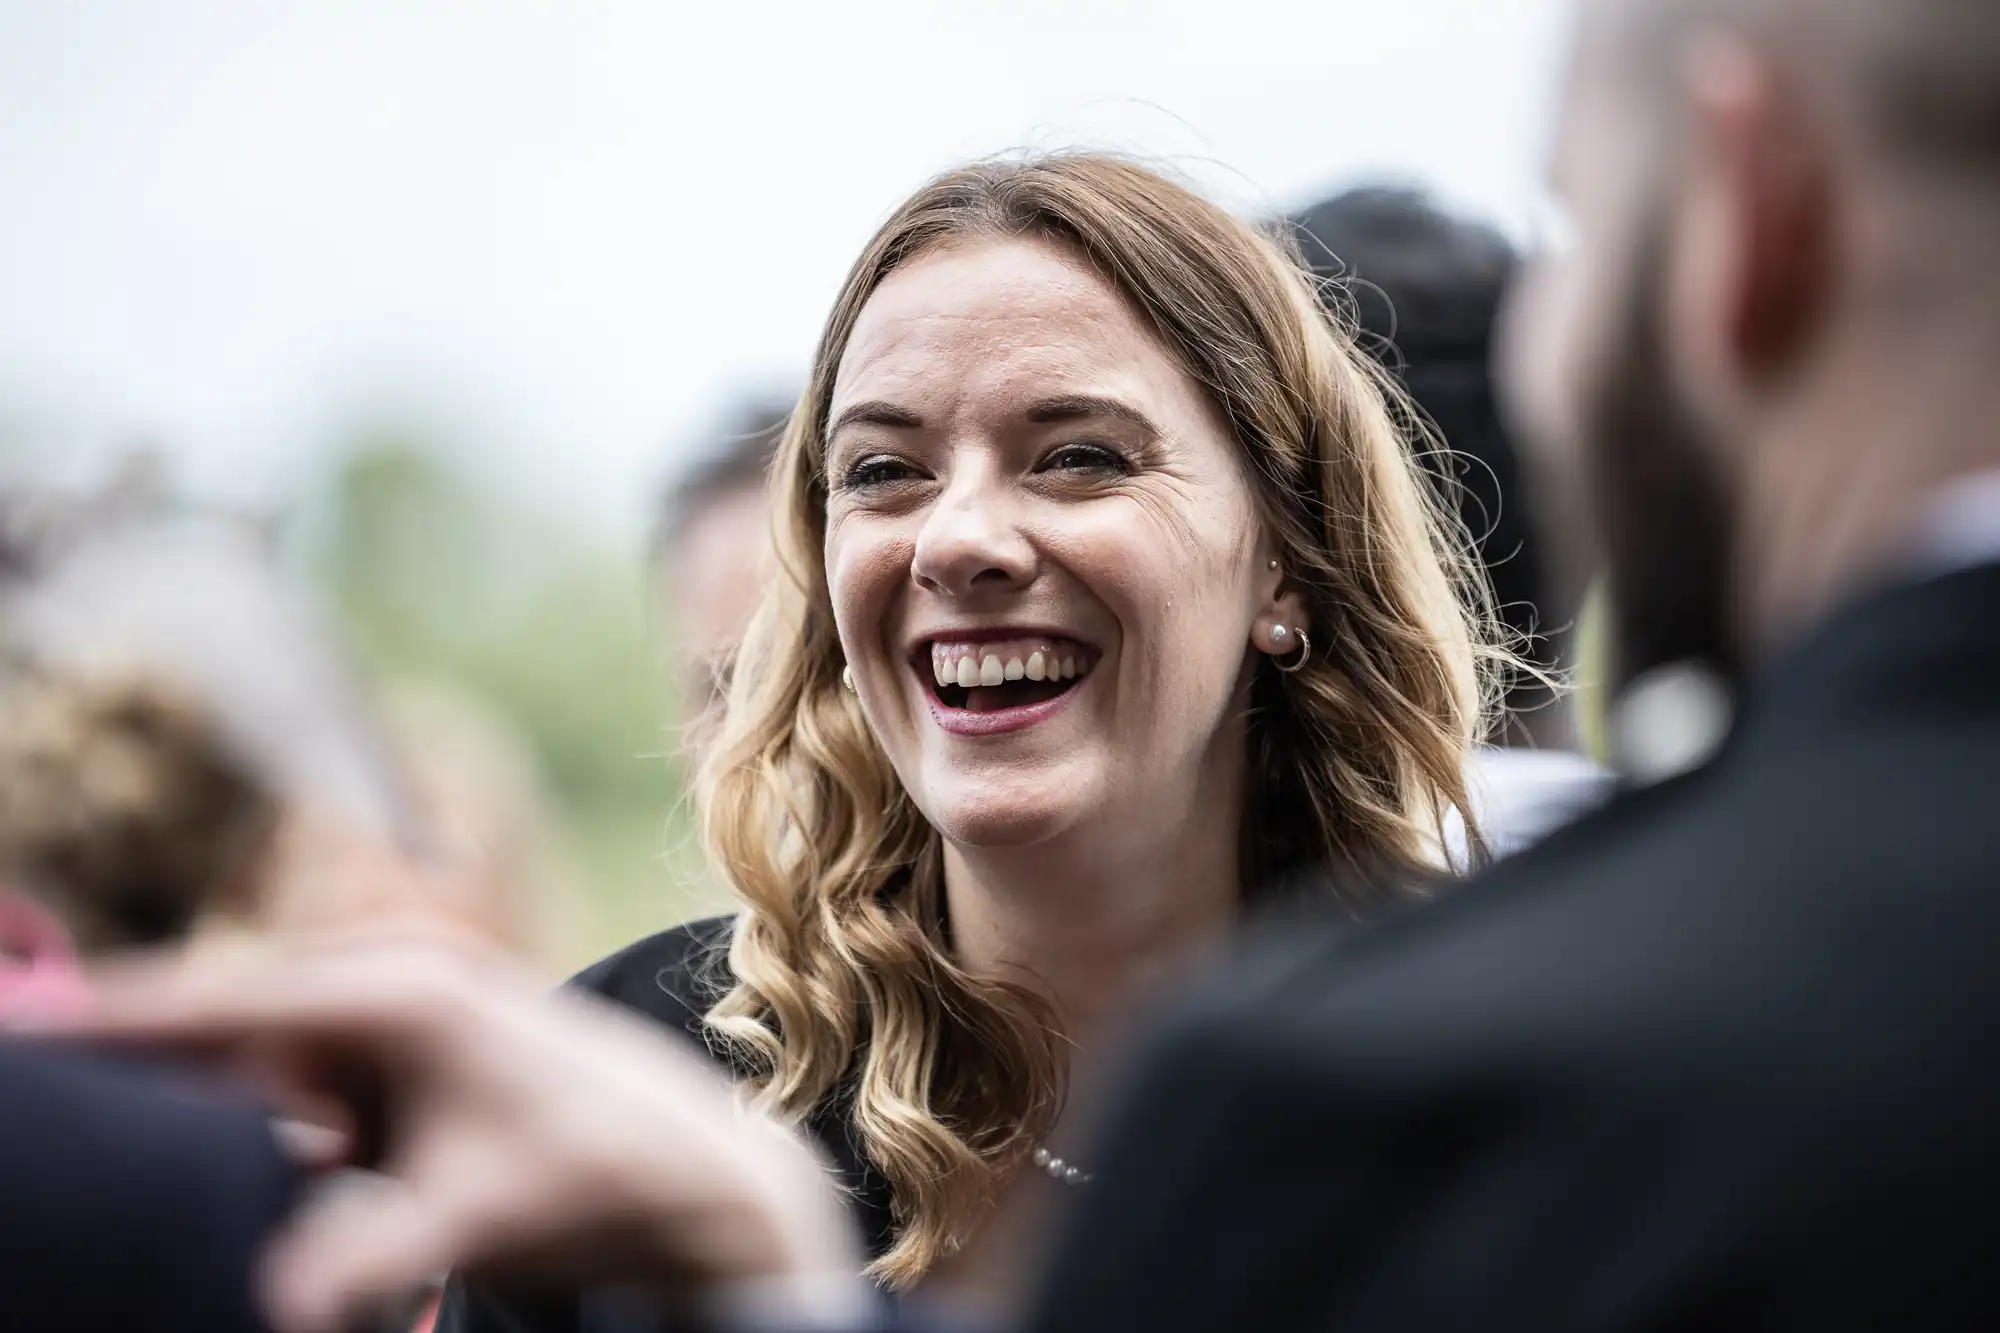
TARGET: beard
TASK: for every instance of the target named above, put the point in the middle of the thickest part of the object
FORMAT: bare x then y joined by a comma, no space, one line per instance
1656,506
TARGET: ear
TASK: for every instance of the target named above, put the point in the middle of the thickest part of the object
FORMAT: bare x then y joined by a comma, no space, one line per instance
1757,263
1283,617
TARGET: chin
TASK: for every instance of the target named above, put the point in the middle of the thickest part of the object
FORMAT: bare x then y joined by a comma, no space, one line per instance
1005,813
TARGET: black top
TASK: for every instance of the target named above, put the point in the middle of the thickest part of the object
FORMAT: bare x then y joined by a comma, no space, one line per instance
1722,1056
128,1201
673,978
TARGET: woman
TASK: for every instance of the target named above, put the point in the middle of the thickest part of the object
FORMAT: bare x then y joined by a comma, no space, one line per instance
1112,602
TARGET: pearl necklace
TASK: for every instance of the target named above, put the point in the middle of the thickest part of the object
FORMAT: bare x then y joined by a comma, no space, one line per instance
1058,1169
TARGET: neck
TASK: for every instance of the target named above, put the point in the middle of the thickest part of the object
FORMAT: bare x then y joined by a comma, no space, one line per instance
1097,918
1839,491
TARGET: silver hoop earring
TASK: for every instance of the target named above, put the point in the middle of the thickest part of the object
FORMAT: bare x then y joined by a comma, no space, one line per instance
1305,651
847,678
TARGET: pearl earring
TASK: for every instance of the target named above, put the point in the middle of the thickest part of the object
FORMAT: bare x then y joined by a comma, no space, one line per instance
847,678
1282,636
1274,566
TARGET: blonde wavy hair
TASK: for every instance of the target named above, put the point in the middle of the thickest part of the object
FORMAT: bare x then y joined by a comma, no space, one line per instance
845,989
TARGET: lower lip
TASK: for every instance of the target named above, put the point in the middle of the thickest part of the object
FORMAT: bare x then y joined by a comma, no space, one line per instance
960,722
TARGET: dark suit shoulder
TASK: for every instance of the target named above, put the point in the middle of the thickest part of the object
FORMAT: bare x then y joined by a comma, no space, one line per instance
1289,959
673,977
1700,1060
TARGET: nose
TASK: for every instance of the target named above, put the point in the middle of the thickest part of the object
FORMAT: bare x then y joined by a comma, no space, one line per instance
971,542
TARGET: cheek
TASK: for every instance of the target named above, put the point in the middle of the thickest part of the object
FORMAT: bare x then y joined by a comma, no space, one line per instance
867,564
1177,576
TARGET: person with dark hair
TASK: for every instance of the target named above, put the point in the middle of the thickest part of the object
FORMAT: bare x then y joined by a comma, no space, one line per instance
1424,288
711,554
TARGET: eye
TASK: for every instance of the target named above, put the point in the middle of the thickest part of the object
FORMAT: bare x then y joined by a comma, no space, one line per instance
1088,459
875,471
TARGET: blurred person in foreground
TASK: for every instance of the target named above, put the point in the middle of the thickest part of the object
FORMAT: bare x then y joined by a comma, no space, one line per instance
1717,1056
712,557
184,758
131,1199
187,761
1425,289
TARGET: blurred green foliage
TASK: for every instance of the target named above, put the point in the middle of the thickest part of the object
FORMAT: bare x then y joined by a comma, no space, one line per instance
439,581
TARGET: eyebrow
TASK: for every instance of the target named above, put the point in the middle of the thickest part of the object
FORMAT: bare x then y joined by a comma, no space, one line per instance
1063,407
1078,407
874,412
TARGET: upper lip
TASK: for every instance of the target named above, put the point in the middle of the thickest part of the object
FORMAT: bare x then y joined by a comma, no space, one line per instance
920,647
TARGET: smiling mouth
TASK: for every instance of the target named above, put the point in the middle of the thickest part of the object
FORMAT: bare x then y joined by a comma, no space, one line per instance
997,676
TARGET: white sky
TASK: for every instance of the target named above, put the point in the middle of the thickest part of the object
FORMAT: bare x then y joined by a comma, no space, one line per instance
564,233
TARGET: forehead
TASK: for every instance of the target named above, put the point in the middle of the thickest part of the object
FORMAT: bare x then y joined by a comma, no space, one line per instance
1000,317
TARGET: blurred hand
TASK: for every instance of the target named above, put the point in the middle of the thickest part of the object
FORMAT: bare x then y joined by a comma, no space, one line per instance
546,1137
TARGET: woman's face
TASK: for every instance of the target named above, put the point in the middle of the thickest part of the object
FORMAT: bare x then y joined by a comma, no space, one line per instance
1044,555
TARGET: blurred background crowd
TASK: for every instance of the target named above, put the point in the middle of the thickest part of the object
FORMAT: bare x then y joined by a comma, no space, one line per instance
385,390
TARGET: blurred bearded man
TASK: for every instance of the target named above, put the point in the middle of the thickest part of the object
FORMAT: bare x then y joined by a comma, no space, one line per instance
1720,1056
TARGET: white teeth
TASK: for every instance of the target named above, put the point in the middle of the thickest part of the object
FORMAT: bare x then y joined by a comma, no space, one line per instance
968,669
